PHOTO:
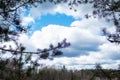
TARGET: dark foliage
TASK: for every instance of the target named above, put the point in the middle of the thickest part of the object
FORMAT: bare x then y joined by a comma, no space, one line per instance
9,70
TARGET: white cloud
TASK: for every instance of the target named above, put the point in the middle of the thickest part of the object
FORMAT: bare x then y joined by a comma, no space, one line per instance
81,39
27,20
110,51
43,9
62,8
80,13
88,46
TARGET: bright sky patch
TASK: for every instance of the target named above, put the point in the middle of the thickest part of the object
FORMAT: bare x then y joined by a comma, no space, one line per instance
57,19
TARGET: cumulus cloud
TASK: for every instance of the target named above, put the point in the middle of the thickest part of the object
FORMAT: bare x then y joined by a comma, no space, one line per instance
27,20
80,13
43,9
82,40
110,51
63,8
89,60
88,46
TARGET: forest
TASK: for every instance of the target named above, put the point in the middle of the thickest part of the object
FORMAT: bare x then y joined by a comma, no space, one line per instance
11,71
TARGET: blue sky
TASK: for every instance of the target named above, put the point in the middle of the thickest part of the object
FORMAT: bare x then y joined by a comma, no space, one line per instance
56,19
46,19
88,46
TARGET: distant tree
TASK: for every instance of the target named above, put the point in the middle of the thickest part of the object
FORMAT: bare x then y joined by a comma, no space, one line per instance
98,66
102,72
118,72
119,67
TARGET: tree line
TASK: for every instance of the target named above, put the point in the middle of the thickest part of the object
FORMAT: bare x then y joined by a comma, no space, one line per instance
9,70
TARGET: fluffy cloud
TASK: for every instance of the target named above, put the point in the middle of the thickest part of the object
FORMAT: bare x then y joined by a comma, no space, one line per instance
110,51
27,20
88,46
80,13
82,40
43,9
93,24
63,8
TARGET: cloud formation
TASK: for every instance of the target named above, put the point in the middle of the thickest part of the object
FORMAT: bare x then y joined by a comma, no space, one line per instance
88,46
63,8
27,20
